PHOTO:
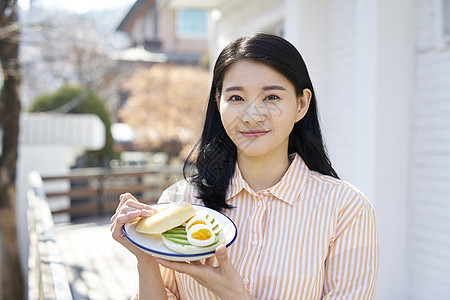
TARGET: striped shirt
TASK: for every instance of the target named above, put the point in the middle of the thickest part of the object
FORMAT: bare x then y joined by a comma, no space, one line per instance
309,237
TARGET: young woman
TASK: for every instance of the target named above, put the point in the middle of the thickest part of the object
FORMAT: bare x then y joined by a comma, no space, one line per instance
261,160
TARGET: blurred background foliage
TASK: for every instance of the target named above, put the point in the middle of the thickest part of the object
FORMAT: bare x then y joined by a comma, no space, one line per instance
165,107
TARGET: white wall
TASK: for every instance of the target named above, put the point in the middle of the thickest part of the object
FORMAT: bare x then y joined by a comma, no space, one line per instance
305,25
430,161
395,84
338,101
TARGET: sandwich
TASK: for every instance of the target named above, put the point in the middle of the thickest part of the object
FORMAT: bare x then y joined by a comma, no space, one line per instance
183,228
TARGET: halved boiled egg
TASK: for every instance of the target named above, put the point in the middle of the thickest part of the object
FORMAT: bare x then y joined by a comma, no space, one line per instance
200,235
197,220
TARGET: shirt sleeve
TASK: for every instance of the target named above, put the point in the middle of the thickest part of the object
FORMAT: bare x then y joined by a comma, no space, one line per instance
351,269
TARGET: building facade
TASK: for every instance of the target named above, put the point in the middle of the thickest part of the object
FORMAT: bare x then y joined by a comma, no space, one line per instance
181,34
381,70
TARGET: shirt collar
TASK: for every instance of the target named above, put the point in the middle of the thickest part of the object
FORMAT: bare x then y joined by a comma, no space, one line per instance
237,183
287,189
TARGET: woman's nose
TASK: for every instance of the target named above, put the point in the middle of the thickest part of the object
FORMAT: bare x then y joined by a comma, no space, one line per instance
255,113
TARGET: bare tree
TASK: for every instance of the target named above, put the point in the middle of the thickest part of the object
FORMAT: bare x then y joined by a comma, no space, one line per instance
59,48
11,278
165,107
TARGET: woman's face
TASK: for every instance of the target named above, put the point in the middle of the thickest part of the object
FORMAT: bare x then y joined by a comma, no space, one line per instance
259,107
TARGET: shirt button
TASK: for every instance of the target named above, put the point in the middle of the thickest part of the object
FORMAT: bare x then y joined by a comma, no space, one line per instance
259,204
246,280
255,242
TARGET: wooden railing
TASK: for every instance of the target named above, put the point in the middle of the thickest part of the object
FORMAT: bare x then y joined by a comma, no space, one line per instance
47,278
95,191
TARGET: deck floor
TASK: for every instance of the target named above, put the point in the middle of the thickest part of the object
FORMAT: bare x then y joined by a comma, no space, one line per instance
97,266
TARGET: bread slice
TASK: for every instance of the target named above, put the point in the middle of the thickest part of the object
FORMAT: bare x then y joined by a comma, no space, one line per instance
174,215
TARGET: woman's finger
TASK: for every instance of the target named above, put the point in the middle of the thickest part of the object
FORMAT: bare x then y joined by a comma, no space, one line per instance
130,214
124,210
209,261
222,257
123,198
128,201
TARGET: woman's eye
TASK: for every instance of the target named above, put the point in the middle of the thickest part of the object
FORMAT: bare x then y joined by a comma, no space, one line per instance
235,98
272,97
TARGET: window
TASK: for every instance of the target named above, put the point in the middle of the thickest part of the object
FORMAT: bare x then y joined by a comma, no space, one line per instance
192,23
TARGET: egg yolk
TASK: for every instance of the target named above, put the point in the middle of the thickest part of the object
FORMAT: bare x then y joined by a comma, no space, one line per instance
201,234
196,222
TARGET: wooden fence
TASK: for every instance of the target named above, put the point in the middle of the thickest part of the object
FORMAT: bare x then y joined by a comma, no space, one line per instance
95,191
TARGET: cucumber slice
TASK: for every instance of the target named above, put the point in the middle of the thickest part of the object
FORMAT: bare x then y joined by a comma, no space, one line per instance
211,220
179,228
175,232
178,241
175,235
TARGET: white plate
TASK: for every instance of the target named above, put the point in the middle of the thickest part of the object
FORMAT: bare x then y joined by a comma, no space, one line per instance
153,245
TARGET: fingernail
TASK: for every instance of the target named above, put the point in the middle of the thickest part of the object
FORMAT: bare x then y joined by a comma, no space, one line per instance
148,211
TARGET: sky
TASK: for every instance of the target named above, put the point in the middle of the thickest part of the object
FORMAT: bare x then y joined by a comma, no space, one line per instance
78,6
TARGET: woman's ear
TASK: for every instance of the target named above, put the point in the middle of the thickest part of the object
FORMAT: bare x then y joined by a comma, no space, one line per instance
303,104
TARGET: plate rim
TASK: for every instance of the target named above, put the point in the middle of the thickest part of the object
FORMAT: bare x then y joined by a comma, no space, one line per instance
124,230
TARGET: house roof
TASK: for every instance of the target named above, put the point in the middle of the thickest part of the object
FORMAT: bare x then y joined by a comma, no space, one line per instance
139,8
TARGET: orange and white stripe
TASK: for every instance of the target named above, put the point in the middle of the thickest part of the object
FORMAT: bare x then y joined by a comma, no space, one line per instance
308,237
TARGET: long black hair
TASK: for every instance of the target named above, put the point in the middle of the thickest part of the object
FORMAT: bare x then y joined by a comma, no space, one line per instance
216,156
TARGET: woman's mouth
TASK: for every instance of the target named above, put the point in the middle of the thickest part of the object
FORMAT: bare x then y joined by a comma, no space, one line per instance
254,133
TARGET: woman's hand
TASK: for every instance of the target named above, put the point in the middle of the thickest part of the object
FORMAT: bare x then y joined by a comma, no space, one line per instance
128,210
151,285
216,279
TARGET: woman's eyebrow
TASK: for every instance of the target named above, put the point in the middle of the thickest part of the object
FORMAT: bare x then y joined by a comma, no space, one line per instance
273,87
265,88
234,88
